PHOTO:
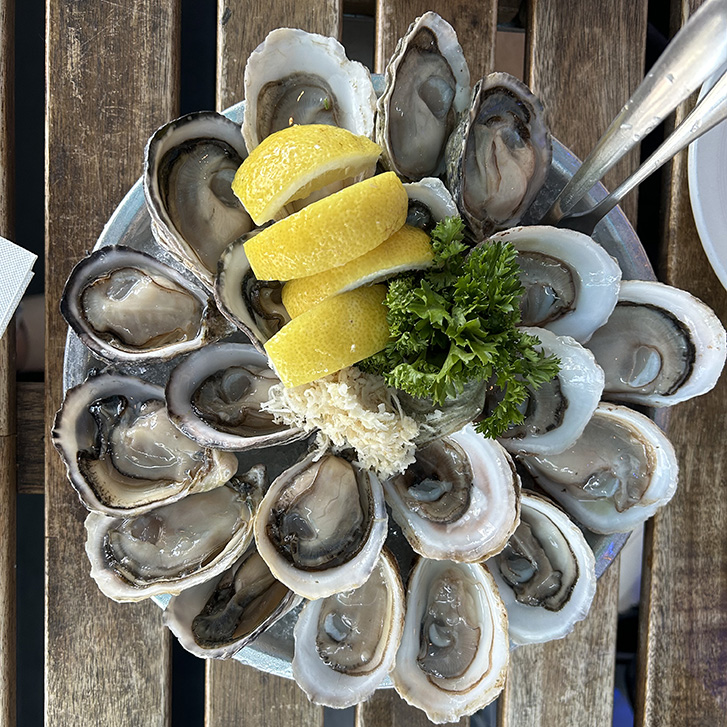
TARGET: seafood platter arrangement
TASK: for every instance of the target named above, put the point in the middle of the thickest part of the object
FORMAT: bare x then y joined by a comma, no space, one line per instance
340,405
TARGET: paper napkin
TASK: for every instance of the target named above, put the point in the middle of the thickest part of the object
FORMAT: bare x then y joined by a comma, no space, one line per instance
16,270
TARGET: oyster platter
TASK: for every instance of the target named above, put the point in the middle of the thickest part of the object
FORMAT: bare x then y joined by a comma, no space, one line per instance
341,406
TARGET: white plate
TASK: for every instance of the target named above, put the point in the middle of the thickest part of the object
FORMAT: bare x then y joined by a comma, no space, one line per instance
707,171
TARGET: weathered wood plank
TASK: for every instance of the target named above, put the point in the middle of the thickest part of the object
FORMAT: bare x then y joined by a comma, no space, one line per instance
387,708
571,681
7,381
235,693
569,41
682,649
546,683
112,78
242,26
474,23
30,455
239,694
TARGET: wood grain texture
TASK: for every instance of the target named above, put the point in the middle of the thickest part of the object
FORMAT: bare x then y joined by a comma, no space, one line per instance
112,79
242,26
30,455
387,709
474,23
569,681
240,695
584,60
683,630
7,381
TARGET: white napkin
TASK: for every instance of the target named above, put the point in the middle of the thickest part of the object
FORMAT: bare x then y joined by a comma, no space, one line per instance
16,270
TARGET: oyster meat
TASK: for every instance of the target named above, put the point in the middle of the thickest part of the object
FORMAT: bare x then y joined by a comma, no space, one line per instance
321,526
122,453
499,155
294,77
427,87
345,644
188,171
660,345
546,574
174,546
454,652
460,499
127,306
217,618
214,397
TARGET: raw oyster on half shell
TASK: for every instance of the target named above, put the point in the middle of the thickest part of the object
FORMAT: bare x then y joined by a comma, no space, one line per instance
345,644
546,574
174,546
122,453
214,397
128,307
660,346
459,500
618,474
217,618
454,652
427,88
321,526
294,77
499,155
188,171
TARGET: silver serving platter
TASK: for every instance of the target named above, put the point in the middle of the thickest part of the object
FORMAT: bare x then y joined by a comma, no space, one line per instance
130,225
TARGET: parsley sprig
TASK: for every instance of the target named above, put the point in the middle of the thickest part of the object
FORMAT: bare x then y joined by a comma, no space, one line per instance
457,322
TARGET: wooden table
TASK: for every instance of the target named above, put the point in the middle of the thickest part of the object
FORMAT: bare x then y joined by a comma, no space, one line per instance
112,78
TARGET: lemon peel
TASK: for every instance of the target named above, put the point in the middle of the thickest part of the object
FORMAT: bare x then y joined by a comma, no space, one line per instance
294,162
409,248
336,333
331,231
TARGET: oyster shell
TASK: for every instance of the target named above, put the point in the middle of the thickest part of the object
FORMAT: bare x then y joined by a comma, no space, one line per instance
254,306
557,413
429,203
618,474
214,397
123,455
321,526
217,618
571,283
174,546
546,574
345,644
128,307
499,155
294,77
460,500
427,85
660,346
189,166
454,652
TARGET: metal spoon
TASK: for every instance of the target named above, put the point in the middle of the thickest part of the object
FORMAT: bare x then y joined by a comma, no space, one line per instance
694,53
707,113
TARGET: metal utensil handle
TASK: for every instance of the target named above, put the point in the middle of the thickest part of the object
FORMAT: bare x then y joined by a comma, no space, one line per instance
709,112
694,53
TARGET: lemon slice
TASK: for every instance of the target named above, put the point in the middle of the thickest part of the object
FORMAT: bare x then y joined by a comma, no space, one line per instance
407,249
297,161
330,232
336,333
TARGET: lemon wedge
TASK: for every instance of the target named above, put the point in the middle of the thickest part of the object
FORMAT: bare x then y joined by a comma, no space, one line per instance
407,249
294,162
331,231
336,333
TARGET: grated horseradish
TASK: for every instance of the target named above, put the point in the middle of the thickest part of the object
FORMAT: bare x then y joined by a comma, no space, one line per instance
350,409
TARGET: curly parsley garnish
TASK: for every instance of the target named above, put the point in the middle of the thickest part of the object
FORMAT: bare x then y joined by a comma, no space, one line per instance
457,322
